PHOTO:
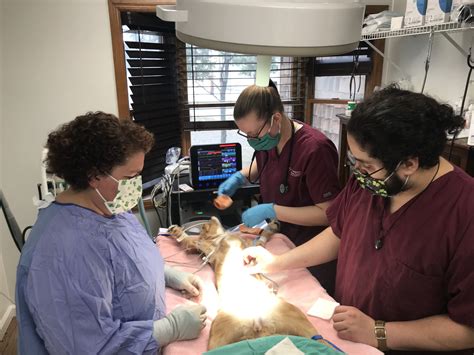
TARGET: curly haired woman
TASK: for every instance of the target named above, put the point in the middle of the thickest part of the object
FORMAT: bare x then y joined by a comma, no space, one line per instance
90,280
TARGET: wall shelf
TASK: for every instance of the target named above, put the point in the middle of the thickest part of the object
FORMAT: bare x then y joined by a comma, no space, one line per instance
419,30
445,29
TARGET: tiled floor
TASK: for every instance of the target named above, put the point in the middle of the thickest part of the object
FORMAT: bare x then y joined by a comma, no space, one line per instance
8,344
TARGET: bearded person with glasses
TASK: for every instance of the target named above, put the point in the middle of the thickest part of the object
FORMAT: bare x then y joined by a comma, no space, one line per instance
402,231
295,165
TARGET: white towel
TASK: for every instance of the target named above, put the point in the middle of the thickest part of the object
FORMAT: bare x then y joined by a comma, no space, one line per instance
284,347
323,308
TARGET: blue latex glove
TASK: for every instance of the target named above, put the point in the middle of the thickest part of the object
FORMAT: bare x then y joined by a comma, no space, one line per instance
231,184
257,214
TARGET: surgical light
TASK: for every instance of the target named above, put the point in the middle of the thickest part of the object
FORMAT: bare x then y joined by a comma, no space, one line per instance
268,27
235,298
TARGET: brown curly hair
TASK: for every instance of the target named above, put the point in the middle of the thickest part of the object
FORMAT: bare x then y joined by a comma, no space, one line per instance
92,145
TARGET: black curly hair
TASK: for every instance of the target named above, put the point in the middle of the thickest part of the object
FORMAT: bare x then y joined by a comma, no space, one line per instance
92,145
394,125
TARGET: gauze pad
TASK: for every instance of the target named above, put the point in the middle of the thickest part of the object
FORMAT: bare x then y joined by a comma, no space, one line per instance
323,308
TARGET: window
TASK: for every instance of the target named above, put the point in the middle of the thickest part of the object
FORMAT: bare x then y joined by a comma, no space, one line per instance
303,80
150,57
338,79
331,88
223,136
185,94
215,79
339,87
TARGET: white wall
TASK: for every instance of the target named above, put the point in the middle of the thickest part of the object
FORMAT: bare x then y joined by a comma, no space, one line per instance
57,63
377,2
448,69
4,303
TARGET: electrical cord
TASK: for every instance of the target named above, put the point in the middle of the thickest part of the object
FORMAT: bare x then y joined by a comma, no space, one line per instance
466,87
170,256
161,203
154,192
8,298
166,187
168,200
172,177
428,59
352,80
158,214
179,196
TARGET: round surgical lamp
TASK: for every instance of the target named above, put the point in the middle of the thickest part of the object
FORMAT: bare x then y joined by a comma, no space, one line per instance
268,27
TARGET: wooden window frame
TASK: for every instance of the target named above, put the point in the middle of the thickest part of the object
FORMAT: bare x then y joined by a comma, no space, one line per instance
116,7
190,126
372,80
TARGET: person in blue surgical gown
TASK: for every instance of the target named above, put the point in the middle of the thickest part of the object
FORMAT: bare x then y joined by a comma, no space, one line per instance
90,280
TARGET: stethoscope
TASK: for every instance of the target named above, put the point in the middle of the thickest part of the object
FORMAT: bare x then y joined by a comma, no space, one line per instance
283,188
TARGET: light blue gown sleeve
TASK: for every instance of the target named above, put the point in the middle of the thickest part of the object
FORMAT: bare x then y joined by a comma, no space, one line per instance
71,299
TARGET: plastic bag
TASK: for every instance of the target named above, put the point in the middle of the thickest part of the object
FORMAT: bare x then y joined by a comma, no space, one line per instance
172,155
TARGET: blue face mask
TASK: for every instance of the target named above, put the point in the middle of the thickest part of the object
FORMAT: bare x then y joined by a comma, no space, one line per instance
267,142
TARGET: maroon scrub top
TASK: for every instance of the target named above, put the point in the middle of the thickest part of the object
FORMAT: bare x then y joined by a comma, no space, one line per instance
312,177
426,265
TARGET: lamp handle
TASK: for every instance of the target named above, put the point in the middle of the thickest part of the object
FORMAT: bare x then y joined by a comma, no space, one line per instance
169,13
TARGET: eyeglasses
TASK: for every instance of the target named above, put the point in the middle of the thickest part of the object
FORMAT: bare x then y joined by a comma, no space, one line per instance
351,162
240,133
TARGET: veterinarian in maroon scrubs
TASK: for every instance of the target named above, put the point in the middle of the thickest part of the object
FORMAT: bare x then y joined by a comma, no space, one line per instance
402,229
296,166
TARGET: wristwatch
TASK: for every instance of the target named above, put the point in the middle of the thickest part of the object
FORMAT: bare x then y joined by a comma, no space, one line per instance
381,335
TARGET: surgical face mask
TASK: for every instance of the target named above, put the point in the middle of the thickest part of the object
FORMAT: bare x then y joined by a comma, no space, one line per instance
390,186
129,192
266,142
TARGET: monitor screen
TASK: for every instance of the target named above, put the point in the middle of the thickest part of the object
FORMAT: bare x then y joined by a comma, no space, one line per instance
213,163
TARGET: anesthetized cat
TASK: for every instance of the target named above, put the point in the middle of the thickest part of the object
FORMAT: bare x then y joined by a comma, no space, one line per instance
249,308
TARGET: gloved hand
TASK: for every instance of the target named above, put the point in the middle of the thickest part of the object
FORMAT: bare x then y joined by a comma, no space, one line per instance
183,281
231,184
259,260
183,323
257,214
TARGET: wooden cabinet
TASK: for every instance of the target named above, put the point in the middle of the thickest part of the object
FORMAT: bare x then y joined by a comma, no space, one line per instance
462,154
343,170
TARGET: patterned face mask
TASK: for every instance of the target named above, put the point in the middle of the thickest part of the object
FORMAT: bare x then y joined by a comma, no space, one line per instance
129,192
387,187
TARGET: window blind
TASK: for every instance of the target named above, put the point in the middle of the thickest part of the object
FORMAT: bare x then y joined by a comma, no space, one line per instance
212,81
175,86
150,49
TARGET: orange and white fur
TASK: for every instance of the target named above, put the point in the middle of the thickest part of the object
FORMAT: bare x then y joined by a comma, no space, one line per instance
249,308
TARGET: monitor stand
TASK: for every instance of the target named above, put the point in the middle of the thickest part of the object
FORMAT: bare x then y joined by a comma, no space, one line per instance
199,210
188,206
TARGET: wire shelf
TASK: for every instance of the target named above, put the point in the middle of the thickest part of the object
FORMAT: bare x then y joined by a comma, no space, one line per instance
419,30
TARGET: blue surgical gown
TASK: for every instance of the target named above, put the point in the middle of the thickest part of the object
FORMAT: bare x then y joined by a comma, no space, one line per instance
88,284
